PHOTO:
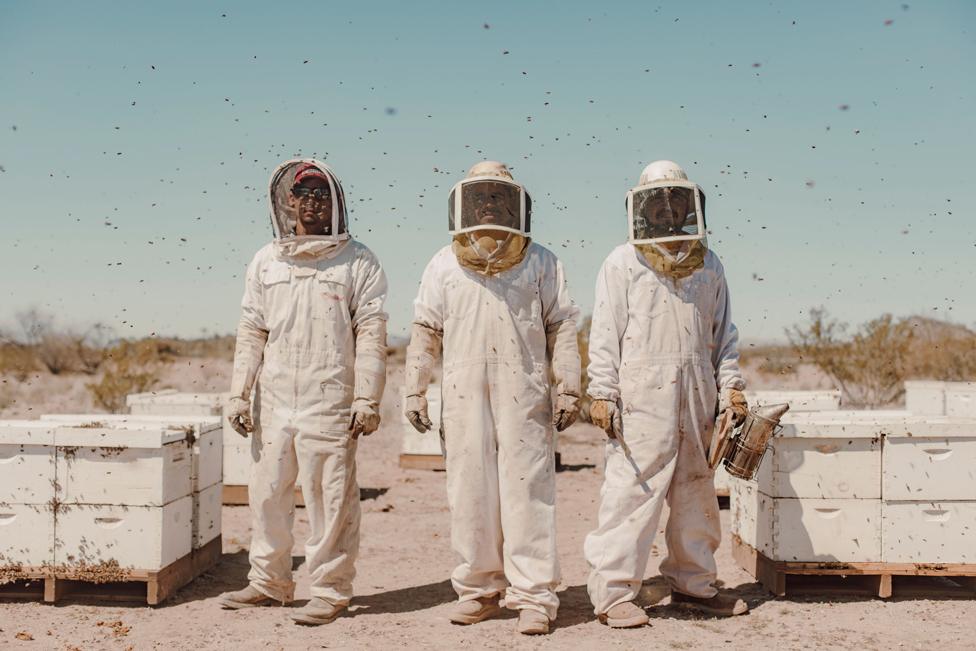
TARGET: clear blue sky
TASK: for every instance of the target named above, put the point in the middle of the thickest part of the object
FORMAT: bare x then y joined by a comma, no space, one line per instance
136,141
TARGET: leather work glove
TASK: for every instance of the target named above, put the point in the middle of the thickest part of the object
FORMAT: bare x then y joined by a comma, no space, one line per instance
415,407
239,416
735,401
565,411
365,419
605,415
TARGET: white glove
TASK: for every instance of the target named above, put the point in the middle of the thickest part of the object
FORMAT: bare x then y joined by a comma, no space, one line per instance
239,416
415,408
365,419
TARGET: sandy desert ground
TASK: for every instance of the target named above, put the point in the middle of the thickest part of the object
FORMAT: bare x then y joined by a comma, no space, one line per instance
404,596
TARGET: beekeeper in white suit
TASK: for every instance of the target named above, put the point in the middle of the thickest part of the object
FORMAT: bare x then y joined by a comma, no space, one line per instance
663,361
312,321
498,306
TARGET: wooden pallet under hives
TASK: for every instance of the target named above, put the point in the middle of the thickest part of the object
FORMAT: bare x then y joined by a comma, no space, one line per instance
53,584
877,579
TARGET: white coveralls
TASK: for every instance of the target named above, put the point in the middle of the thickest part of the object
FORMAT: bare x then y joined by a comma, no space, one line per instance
496,419
319,327
662,349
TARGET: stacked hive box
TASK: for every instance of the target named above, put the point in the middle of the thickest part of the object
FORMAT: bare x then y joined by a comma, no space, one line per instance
423,450
799,401
205,467
863,487
85,495
236,448
123,495
955,399
27,464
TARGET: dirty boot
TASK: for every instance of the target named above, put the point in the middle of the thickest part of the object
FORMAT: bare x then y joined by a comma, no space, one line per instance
532,622
625,615
477,610
317,611
720,605
249,597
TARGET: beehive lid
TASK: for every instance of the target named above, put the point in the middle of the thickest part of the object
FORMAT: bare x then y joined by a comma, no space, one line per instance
173,398
134,435
199,424
925,384
960,387
871,424
31,432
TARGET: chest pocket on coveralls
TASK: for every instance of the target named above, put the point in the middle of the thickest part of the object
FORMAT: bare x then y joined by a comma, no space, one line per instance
523,299
650,301
461,297
332,296
275,281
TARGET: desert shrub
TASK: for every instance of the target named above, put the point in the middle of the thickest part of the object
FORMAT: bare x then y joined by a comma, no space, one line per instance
217,346
57,352
91,349
129,367
771,360
869,367
16,359
941,351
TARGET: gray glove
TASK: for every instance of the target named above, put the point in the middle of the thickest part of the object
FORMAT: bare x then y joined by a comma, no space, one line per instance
365,419
415,407
565,411
239,416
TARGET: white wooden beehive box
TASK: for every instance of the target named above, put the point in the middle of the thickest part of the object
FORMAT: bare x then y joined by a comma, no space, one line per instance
206,521
424,443
26,534
807,530
26,462
823,457
960,400
206,465
139,537
744,510
237,464
176,404
926,398
930,458
825,400
929,532
141,465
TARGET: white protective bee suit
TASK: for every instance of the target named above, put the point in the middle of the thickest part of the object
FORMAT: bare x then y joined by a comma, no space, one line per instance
313,322
501,332
663,349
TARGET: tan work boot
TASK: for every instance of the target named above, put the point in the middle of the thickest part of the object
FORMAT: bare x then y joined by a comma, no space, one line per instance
249,597
472,611
625,615
317,611
532,622
720,605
